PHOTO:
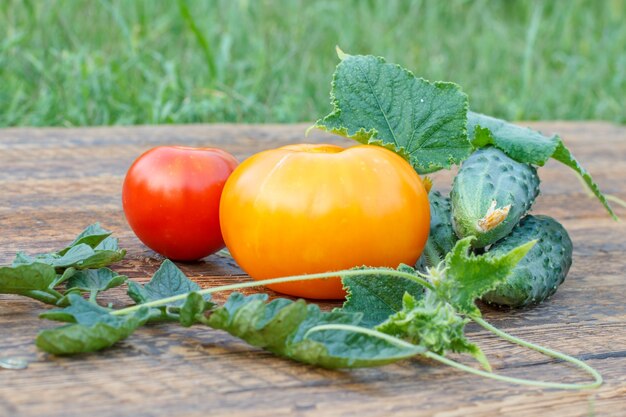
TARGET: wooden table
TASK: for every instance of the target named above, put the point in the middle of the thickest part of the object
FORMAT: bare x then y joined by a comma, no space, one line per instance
53,182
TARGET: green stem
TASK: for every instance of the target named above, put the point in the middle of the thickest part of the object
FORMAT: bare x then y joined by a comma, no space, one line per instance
520,381
54,293
306,277
370,332
92,296
43,296
548,352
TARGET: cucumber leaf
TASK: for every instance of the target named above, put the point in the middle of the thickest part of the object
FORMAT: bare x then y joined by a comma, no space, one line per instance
564,156
379,103
466,277
528,146
280,327
93,328
432,323
378,296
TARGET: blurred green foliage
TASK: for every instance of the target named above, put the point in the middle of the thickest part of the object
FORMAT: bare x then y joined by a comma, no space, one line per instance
88,62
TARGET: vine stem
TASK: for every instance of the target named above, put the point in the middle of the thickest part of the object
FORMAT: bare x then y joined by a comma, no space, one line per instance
394,340
520,381
548,352
306,277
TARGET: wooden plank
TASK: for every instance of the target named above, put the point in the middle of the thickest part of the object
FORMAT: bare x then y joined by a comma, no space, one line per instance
55,181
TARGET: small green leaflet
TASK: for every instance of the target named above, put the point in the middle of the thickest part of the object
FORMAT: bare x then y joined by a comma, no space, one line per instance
92,236
110,243
192,310
81,256
95,280
528,146
378,296
375,102
280,327
466,277
93,328
432,323
92,248
167,281
37,276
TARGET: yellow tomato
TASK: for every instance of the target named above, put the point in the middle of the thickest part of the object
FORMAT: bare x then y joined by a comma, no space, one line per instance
304,209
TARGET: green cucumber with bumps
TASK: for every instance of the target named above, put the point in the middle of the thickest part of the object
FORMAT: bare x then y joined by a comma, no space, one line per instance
538,275
490,194
441,238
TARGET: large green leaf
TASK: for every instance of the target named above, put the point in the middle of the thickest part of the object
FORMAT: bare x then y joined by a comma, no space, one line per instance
281,326
528,146
380,103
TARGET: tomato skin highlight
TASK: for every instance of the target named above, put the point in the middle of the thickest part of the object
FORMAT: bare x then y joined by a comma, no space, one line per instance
171,199
317,208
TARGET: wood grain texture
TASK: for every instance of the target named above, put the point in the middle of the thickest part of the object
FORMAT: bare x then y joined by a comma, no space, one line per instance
53,182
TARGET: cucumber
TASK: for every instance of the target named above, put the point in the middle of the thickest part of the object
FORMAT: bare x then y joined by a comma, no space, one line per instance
537,276
441,238
490,194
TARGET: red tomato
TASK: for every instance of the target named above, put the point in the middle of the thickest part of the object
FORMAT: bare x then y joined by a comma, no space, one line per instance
319,208
171,198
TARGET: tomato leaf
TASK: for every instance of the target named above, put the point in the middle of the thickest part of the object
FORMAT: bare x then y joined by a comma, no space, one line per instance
167,281
528,146
81,256
378,296
37,276
92,248
192,310
79,310
280,327
93,328
375,102
110,243
92,236
25,278
466,277
97,280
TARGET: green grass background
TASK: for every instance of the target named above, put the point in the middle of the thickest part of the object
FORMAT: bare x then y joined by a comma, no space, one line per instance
89,62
